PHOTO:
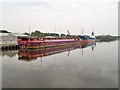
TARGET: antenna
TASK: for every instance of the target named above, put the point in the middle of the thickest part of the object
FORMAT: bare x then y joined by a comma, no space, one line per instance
55,26
29,19
82,31
29,27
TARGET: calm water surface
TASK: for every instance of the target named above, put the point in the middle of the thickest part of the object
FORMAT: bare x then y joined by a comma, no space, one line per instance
95,66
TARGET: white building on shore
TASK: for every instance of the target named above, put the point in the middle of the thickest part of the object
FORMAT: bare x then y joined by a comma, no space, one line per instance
10,38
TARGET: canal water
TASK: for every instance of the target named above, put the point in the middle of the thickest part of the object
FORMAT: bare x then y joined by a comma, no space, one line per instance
93,66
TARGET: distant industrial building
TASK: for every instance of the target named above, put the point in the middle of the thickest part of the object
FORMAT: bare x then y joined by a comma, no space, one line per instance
4,31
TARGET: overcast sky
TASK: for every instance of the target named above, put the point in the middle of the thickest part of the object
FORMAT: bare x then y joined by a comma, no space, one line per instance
100,16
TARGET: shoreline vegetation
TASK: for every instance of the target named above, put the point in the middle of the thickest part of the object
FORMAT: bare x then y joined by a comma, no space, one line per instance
106,38
99,38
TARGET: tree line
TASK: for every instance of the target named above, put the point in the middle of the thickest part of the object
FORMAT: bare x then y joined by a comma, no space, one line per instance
99,38
41,34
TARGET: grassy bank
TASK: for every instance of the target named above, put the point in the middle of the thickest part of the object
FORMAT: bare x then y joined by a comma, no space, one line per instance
106,38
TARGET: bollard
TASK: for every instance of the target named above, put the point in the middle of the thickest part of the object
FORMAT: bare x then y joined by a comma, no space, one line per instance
3,48
9,47
6,48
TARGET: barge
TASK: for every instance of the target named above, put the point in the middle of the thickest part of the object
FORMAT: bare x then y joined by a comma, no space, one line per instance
88,39
32,43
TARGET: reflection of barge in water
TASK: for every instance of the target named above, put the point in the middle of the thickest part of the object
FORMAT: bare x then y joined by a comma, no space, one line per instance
29,54
32,54
85,45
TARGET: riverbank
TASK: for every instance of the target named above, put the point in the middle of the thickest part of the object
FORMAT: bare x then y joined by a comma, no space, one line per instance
106,38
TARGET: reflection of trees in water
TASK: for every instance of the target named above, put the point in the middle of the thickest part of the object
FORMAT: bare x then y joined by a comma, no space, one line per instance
9,53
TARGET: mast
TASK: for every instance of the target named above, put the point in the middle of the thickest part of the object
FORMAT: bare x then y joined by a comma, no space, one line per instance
55,28
92,32
68,32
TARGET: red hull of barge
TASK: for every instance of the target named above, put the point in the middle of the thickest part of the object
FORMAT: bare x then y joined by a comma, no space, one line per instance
87,41
47,42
